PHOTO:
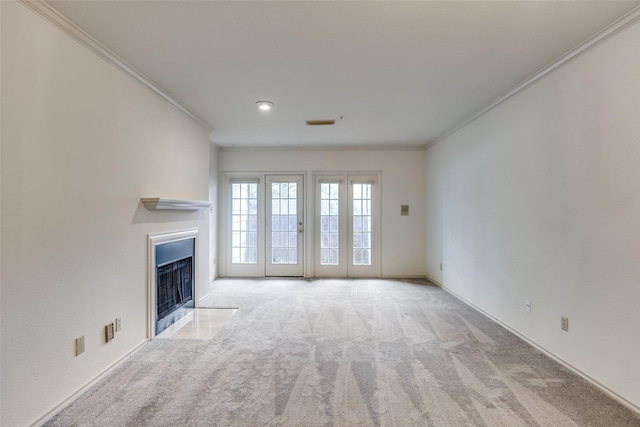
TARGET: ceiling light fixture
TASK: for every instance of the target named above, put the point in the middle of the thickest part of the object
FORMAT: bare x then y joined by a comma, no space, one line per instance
264,105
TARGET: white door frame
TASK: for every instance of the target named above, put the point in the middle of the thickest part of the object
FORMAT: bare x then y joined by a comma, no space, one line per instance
258,269
346,268
339,270
227,267
372,270
289,270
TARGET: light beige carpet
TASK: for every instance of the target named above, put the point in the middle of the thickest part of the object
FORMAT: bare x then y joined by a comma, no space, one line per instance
344,352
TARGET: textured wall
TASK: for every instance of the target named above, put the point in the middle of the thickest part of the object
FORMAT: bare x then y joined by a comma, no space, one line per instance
81,143
539,199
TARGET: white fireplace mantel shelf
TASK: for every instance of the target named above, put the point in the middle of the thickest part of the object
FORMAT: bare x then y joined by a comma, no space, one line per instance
159,203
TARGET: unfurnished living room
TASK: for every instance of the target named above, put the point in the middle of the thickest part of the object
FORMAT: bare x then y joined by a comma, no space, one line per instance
319,213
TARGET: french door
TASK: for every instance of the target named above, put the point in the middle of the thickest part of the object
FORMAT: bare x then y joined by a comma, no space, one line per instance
346,240
284,225
264,225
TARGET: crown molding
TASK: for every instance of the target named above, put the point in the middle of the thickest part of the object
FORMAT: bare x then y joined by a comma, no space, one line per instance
385,147
78,34
600,37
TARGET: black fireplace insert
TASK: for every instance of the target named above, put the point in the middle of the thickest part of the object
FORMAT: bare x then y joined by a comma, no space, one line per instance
174,282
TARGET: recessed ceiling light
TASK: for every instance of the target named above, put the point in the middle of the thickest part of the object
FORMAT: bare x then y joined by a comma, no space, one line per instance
264,105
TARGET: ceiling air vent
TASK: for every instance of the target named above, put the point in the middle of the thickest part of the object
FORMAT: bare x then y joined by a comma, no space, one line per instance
320,122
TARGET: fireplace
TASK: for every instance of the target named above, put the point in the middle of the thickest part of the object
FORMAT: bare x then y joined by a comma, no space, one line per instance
172,267
174,282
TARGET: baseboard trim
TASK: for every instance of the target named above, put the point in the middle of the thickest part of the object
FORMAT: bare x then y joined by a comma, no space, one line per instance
43,419
403,276
606,390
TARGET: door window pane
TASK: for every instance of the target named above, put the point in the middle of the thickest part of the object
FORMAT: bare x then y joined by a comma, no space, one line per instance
284,236
329,220
244,223
361,224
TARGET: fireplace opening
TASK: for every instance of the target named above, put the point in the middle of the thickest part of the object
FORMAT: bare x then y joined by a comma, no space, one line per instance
174,282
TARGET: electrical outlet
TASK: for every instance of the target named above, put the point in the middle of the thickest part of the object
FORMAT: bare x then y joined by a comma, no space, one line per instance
564,323
527,306
79,345
109,332
118,324
404,210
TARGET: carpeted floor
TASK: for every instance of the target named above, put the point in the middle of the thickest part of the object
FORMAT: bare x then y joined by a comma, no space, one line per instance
344,352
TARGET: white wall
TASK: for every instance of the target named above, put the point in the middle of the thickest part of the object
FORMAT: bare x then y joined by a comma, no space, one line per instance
81,143
402,182
540,199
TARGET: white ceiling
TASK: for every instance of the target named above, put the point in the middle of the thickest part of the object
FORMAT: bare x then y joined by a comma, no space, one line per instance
398,73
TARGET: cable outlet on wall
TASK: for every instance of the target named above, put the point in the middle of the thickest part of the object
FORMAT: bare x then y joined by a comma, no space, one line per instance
564,323
527,306
118,324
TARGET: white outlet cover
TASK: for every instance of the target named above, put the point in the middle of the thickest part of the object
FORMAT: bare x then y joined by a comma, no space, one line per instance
79,345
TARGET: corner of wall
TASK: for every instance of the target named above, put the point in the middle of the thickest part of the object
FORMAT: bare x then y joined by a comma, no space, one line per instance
1,180
214,172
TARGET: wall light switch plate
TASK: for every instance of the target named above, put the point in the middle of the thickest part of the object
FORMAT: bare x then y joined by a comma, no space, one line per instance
404,210
118,324
79,345
109,332
564,323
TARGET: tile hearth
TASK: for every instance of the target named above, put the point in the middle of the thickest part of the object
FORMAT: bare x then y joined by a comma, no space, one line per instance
201,323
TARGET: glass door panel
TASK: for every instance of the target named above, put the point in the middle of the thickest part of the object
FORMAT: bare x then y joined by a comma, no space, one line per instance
361,224
329,223
362,234
330,236
244,231
244,223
